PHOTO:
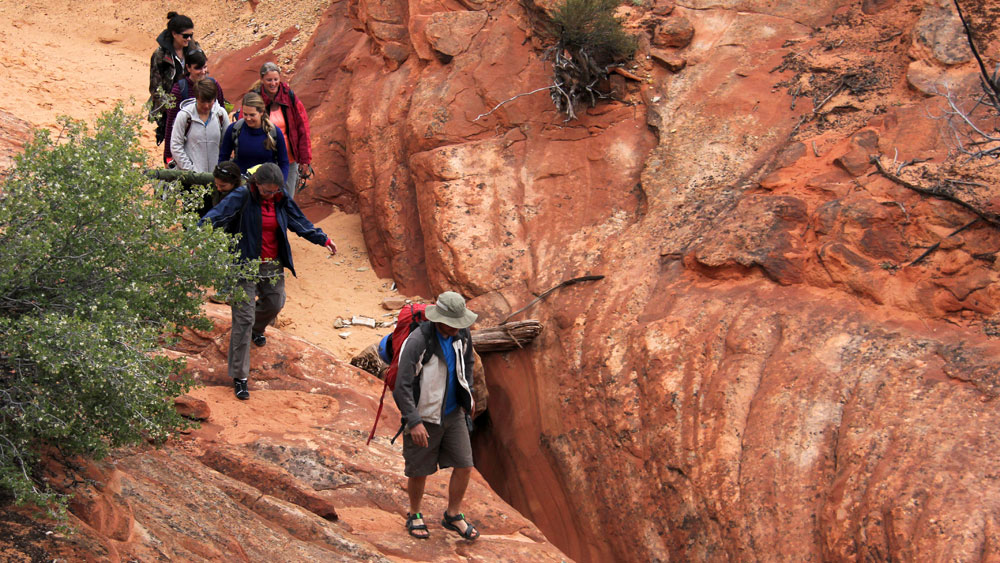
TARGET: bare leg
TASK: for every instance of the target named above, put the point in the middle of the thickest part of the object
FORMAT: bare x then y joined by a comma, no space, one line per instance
415,490
456,492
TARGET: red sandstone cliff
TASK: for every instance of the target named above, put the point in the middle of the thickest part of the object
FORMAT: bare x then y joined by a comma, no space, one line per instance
761,375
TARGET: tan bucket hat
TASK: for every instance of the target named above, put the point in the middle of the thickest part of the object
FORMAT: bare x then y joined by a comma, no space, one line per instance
450,309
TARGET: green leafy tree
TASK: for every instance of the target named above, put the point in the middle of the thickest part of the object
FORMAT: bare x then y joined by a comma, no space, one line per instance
96,274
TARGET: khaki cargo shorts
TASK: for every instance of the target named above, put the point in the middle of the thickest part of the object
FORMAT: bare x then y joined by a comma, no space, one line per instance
448,445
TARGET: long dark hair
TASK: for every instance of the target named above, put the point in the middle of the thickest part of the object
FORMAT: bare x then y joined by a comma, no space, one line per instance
229,172
177,23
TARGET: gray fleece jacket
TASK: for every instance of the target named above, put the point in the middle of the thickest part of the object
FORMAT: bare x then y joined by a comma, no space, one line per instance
194,142
421,386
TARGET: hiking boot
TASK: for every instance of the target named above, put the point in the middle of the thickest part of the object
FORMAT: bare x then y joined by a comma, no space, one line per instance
242,393
258,339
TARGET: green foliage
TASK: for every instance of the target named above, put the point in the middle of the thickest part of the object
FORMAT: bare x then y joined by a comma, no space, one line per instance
96,273
591,26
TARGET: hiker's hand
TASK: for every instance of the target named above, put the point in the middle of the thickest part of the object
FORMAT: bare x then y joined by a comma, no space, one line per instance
303,169
419,435
330,246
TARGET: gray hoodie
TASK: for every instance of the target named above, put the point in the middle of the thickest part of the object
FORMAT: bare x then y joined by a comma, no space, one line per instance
195,143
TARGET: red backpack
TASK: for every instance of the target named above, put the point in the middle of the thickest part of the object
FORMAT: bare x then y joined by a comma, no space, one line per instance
409,318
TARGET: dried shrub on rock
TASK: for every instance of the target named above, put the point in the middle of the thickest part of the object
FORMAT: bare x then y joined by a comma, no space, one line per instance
590,39
975,125
95,273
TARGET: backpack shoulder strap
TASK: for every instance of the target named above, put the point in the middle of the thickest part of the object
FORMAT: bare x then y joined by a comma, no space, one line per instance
187,128
236,138
274,151
427,330
183,82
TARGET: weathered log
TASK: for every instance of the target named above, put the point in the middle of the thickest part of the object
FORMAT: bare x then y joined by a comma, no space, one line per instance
186,177
510,336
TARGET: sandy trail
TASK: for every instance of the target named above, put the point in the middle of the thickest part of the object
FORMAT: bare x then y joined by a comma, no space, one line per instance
80,59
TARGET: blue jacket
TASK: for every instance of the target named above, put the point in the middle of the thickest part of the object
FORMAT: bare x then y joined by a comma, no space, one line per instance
252,151
243,205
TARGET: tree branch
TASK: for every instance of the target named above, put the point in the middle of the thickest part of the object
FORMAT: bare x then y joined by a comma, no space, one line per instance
482,115
546,293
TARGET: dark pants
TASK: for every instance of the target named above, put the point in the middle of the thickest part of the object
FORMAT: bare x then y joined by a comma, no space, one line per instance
265,298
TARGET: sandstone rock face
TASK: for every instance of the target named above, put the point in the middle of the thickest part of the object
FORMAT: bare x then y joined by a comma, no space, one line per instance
451,32
764,373
14,132
932,80
675,31
285,476
941,31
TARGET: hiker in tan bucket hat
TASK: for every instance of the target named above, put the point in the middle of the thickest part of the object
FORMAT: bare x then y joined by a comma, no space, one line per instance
436,407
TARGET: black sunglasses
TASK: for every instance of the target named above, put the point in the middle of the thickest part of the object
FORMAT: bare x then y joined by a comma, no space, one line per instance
187,35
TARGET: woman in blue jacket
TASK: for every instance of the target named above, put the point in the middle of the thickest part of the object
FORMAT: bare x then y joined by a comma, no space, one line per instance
265,215
254,139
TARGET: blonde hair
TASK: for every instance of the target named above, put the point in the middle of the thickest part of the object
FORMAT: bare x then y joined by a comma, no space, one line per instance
254,100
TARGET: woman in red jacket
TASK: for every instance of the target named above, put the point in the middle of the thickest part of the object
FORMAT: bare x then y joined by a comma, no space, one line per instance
288,114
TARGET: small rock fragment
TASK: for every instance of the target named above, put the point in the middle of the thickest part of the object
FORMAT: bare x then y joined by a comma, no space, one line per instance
670,61
393,303
363,321
192,408
344,335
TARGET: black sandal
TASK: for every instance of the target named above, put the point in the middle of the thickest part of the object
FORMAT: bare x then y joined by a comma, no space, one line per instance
414,527
470,533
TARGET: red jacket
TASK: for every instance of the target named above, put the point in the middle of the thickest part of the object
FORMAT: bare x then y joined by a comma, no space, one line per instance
296,123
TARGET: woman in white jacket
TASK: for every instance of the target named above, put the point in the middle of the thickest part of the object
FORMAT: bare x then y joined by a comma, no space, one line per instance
198,129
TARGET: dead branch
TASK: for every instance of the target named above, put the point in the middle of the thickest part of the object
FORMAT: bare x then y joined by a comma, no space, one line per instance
937,244
511,99
889,37
511,336
965,182
910,162
994,89
840,86
906,215
626,74
936,192
575,77
795,96
546,293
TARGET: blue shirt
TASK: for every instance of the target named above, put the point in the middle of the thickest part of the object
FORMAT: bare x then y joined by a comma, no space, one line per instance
383,350
451,394
252,150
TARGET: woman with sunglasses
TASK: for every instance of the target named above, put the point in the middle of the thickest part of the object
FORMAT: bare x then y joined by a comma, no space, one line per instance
167,64
264,216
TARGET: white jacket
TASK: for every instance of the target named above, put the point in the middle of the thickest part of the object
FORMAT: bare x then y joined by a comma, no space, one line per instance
195,143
